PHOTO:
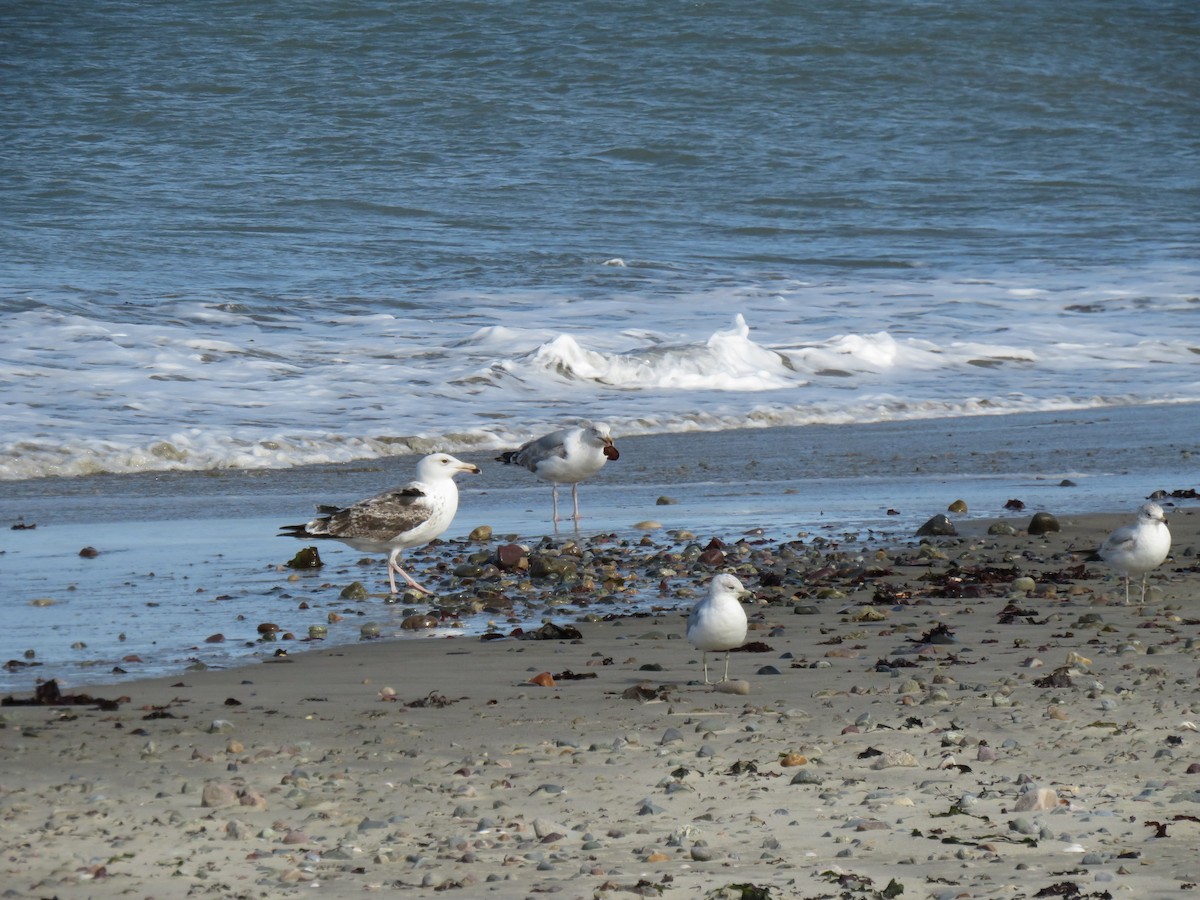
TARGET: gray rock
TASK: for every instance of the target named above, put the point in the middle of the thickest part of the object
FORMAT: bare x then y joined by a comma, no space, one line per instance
218,796
938,526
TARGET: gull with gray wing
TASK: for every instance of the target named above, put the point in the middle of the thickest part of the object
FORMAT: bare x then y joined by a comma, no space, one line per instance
567,456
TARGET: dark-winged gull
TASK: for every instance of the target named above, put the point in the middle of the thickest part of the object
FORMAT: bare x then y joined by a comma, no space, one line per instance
718,622
1137,548
567,456
397,519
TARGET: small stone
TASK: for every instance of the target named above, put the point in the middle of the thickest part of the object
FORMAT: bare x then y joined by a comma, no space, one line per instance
1022,825
733,686
217,796
510,557
480,534
806,776
354,591
236,830
252,798
308,558
544,828
1001,528
893,758
938,526
1038,799
1043,523
958,507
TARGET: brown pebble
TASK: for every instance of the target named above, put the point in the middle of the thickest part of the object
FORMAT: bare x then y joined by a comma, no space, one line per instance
544,679
418,622
217,638
252,798
511,556
1194,769
89,552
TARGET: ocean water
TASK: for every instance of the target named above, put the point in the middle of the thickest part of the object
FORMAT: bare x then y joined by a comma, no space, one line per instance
272,234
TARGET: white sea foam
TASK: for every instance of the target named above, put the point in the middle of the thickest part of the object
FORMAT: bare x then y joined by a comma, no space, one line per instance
203,386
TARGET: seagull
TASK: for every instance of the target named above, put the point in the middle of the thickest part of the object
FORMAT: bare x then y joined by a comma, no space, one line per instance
718,622
568,456
1136,549
397,519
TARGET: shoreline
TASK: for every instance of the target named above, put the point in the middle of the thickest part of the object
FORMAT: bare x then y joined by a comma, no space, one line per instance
185,558
937,723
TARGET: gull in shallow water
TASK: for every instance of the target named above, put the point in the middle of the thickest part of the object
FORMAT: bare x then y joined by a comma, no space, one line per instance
718,622
568,456
397,519
1136,549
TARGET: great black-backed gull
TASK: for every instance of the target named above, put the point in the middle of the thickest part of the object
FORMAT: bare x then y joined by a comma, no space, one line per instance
397,519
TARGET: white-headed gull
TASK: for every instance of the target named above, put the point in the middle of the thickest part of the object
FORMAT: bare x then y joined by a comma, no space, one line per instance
397,519
567,456
718,622
1138,548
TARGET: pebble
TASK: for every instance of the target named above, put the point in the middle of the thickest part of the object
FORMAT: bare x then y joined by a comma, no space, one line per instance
218,796
806,776
1043,523
937,526
893,757
1037,799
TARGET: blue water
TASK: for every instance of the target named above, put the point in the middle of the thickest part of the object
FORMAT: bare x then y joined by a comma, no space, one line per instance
269,234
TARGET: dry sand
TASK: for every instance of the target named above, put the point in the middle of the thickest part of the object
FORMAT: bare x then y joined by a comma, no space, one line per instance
913,720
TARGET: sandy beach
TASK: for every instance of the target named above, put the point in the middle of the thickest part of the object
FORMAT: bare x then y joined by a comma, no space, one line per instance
972,716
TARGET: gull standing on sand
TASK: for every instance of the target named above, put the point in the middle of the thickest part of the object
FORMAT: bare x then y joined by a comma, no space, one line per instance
397,519
568,456
1136,549
718,622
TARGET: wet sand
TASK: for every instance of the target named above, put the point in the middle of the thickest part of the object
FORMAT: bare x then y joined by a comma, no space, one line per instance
973,716
182,557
